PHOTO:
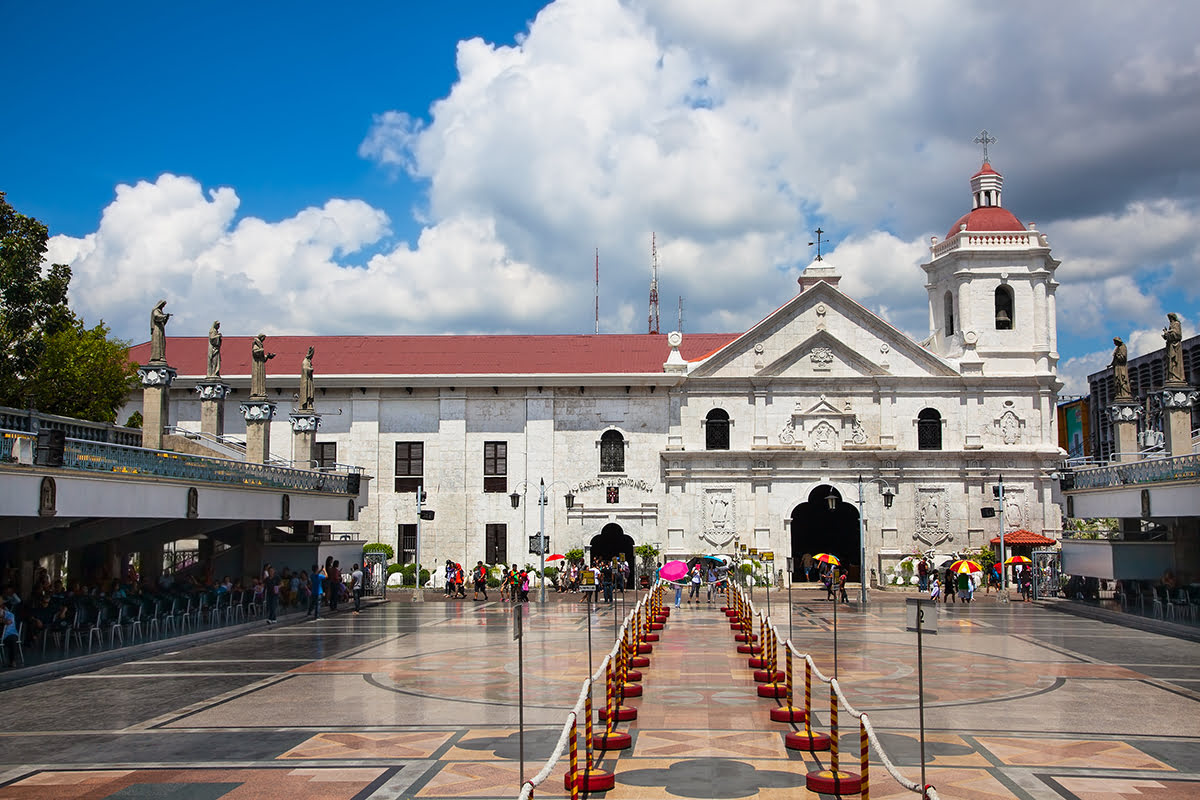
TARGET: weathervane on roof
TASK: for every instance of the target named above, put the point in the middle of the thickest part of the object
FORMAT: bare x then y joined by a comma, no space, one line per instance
984,139
819,234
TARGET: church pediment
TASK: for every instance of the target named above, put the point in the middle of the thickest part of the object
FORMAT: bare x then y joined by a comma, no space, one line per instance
822,333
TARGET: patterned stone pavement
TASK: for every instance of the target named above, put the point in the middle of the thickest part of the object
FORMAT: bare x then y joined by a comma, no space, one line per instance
420,700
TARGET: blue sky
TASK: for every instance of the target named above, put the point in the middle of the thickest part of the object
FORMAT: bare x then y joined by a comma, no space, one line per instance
451,168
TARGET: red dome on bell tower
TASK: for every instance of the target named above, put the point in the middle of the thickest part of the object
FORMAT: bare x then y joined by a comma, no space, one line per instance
987,213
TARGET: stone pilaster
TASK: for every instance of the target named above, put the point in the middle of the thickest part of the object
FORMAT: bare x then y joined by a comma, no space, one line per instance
212,406
1177,419
304,436
1124,417
258,415
156,390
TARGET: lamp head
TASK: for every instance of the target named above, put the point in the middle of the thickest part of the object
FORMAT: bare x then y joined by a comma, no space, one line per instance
515,497
832,500
570,498
888,496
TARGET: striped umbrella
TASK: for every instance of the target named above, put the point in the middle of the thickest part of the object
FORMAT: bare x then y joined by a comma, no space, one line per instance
826,558
965,566
1018,560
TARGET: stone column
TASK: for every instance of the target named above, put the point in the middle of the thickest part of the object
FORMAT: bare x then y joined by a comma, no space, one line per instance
1125,418
304,436
258,415
1177,419
156,390
212,406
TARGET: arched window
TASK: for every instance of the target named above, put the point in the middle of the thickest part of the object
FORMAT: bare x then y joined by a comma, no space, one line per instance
612,452
1004,309
716,430
929,429
948,312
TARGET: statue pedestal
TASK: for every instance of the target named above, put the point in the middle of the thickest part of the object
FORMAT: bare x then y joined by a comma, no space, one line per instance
212,406
304,437
1125,418
156,390
258,414
1177,419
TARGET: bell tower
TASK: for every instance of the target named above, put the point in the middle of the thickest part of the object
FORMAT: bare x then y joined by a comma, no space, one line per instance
991,288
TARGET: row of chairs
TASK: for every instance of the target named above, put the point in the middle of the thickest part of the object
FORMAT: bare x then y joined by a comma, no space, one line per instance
1160,602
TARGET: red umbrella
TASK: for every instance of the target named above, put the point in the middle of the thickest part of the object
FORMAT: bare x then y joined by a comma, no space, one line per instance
826,558
1018,560
555,557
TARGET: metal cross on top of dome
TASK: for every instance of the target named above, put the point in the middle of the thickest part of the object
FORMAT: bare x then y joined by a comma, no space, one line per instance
818,242
984,139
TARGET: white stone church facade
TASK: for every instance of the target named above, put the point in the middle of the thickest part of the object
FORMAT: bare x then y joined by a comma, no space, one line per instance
703,442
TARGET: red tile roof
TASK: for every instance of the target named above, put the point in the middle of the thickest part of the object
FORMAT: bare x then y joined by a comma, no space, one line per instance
1024,538
986,169
443,355
987,218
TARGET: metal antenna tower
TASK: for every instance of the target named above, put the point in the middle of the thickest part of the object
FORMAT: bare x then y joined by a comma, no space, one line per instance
597,290
680,323
653,321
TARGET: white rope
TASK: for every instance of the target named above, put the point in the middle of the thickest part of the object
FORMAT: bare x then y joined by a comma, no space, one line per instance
573,715
893,770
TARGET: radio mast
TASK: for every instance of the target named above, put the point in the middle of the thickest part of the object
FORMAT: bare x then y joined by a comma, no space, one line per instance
597,290
653,320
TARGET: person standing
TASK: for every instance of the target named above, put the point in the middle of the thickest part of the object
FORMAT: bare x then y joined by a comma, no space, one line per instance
316,589
271,595
9,623
922,575
480,581
694,591
356,586
606,579
949,584
334,589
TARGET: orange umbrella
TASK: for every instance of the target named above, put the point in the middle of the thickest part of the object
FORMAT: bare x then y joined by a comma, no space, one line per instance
1018,560
826,558
965,566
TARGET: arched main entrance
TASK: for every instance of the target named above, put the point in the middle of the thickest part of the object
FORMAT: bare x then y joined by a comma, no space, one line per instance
612,540
816,529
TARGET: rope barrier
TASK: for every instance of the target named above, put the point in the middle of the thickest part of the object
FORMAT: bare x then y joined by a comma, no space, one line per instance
868,739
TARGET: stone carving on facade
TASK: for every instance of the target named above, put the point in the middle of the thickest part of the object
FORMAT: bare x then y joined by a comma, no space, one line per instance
1120,368
720,525
1173,336
214,350
1179,398
307,390
156,376
212,391
1125,413
932,516
823,437
787,434
258,367
1015,509
257,411
821,357
857,434
303,423
1008,428
47,497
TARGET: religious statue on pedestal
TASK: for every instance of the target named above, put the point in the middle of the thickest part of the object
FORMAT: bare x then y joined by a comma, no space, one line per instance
1120,367
158,333
214,350
307,392
1173,335
258,367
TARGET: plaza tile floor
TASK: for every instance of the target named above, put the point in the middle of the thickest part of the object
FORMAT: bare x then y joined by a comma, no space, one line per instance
420,700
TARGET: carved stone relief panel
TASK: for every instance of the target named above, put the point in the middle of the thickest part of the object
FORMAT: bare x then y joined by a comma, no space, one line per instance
932,516
719,514
1016,509
823,437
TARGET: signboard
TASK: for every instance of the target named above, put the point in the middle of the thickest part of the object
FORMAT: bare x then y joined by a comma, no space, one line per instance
768,555
517,630
753,552
538,544
925,611
587,581
426,515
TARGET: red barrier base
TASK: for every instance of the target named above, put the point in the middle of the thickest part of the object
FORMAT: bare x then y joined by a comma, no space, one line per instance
829,782
731,612
650,637
617,740
631,690
624,713
745,637
757,662
769,676
656,626
645,648
639,661
789,714
633,675
772,690
663,612
661,619
806,739
749,648
594,780
724,608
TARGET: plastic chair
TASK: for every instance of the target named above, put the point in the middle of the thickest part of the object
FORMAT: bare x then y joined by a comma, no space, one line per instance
20,646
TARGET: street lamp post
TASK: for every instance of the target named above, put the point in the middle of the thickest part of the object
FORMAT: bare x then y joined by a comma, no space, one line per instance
889,494
1003,557
418,590
515,497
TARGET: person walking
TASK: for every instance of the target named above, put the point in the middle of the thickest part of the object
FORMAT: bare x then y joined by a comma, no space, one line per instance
316,588
678,592
922,575
606,580
694,591
480,581
356,587
334,589
271,595
949,584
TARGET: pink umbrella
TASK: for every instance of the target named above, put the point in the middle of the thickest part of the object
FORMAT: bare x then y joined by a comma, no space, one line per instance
673,570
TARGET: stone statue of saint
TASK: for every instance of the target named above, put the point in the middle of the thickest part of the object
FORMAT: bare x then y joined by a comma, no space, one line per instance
307,392
258,367
214,350
158,334
1173,335
1120,367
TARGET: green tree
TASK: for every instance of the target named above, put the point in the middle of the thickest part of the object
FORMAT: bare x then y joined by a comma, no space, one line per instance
82,373
33,301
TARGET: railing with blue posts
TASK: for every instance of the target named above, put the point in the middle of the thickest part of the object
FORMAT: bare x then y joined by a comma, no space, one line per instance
1151,470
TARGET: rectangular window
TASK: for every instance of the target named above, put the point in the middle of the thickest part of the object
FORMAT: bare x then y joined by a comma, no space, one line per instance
612,494
406,535
325,454
496,544
410,465
495,467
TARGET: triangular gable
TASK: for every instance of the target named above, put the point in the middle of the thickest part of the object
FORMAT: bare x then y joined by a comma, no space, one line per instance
739,357
786,365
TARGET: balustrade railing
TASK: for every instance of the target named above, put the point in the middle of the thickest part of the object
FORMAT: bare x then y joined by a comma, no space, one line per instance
1151,470
29,421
